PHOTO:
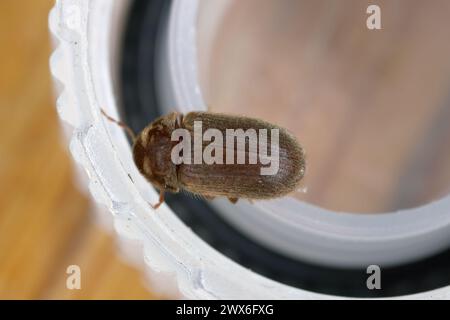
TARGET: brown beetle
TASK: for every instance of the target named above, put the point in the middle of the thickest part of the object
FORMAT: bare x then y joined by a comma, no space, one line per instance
153,151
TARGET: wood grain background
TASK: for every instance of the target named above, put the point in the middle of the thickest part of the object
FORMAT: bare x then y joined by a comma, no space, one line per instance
45,222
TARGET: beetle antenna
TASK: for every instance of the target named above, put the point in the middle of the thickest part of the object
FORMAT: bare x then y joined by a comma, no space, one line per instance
121,124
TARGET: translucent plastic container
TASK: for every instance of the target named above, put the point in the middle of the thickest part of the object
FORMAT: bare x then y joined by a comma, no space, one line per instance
178,262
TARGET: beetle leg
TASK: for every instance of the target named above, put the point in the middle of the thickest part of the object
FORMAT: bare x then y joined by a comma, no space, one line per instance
233,200
161,200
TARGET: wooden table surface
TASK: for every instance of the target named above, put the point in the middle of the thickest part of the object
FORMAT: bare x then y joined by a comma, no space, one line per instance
45,222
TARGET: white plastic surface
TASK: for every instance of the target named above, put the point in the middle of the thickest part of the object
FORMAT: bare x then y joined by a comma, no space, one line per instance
175,259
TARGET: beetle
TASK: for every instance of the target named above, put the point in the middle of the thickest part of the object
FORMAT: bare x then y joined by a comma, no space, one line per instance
153,150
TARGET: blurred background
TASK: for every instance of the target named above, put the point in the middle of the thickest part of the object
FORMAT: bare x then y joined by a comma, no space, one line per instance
370,107
46,224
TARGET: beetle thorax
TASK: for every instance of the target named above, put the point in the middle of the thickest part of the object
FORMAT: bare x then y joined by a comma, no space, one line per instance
152,156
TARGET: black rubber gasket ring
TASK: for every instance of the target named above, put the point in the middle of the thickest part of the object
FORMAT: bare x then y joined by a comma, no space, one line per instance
140,106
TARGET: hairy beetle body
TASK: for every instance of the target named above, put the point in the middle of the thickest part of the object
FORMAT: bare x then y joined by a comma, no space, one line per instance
153,147
243,180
